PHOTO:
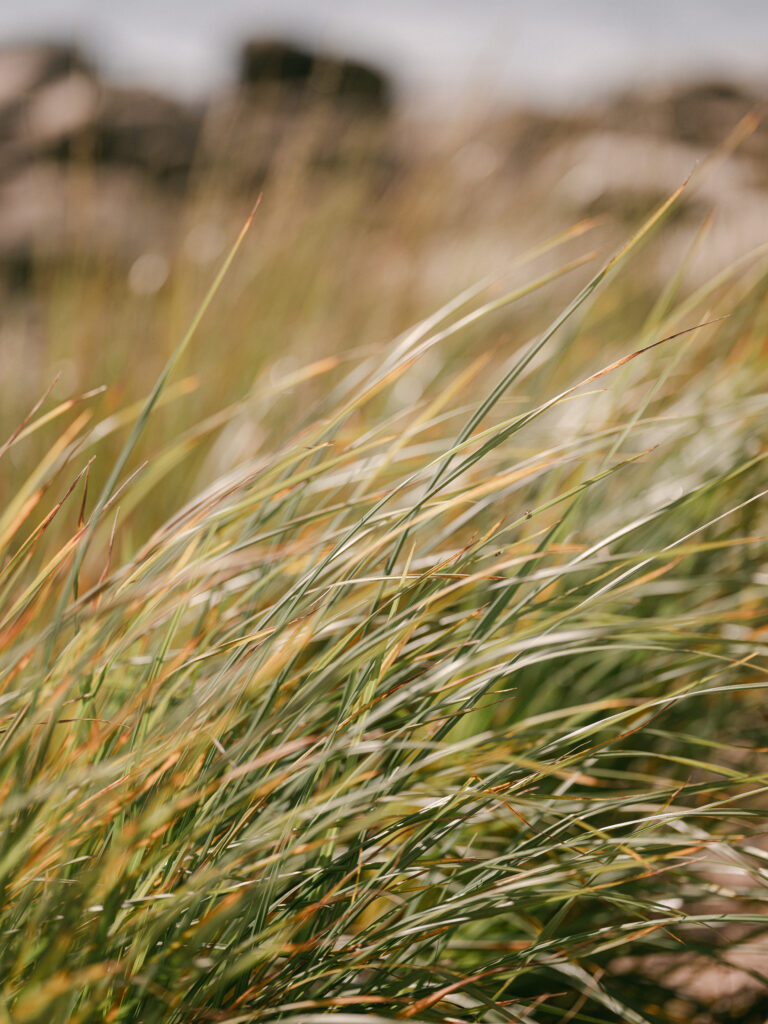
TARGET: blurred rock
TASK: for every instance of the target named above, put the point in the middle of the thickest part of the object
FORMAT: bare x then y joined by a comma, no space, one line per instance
93,171
51,214
596,165
90,168
300,73
49,84
247,137
704,114
60,110
54,106
142,129
25,68
294,108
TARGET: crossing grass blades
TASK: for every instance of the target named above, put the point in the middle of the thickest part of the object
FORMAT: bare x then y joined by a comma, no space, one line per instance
437,710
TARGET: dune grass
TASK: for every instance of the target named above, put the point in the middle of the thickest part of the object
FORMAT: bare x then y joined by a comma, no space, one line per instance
433,707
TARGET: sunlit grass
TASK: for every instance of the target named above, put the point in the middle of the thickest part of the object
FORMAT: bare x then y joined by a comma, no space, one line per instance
427,707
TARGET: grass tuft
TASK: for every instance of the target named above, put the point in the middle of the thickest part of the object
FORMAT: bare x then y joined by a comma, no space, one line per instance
431,709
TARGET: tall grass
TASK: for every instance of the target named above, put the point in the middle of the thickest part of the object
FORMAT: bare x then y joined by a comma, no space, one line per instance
428,710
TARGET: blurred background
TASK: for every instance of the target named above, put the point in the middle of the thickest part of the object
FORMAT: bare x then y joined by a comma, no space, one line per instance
404,151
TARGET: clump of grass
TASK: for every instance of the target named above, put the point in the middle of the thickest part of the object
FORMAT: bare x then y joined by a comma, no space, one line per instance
426,712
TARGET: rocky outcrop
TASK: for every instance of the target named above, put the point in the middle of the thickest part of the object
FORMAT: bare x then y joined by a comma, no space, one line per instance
703,114
54,106
24,69
625,156
90,167
141,129
301,75
87,169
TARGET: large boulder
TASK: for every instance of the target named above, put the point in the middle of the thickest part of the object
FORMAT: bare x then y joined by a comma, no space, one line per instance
26,68
31,80
289,69
142,129
294,108
704,113
53,106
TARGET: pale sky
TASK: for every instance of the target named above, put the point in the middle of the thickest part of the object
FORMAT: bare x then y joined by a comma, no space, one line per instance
551,52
